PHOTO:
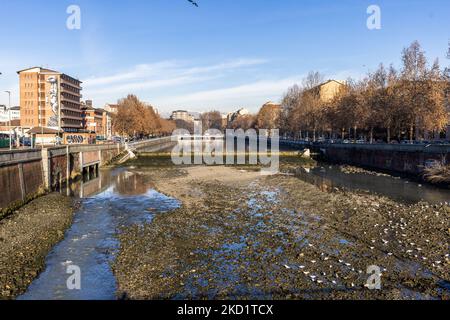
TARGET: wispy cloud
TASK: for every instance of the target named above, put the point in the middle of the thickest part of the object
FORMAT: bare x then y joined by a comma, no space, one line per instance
252,95
135,73
164,73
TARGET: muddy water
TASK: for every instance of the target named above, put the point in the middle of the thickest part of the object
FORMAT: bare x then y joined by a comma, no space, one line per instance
113,200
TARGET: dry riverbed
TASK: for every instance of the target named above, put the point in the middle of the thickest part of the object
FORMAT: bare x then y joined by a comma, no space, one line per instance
26,237
243,235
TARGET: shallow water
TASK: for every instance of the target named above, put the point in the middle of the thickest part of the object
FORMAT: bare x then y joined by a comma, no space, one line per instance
121,198
327,177
113,200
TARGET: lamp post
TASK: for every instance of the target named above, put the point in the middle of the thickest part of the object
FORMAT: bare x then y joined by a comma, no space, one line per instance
9,118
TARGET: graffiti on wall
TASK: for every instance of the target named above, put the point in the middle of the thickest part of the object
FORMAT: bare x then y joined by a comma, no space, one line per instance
75,139
53,121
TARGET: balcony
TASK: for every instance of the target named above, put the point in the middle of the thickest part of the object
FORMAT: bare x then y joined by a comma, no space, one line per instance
67,90
68,124
70,108
70,99
72,117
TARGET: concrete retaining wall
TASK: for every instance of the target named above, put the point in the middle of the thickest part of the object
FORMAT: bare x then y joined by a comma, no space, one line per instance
404,159
20,176
154,145
409,159
26,173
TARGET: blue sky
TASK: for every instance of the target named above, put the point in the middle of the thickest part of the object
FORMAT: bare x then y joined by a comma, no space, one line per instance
223,55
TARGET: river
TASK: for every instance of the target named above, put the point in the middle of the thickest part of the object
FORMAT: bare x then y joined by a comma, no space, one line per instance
122,197
113,200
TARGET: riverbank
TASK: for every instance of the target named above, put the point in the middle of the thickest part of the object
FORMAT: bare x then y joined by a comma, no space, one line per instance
243,235
438,175
27,236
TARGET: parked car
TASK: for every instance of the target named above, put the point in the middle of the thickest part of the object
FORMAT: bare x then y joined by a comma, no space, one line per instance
116,139
360,141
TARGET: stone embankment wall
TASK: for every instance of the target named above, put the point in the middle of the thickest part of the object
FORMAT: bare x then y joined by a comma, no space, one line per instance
24,174
408,159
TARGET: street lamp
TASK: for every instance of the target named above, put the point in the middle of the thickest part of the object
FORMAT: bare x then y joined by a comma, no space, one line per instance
9,118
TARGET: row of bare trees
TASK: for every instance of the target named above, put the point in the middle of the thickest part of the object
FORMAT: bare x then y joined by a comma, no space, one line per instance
268,118
135,118
406,103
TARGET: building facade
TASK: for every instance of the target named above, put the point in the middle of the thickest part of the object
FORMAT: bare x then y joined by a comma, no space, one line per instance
182,115
50,99
9,114
92,118
232,116
328,90
111,110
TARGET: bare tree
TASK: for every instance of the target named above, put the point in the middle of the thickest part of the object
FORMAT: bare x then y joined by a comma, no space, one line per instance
268,117
212,120
412,76
290,118
244,122
312,80
447,70
410,101
135,118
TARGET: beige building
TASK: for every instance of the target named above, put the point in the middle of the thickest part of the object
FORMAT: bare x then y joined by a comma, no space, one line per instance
111,108
328,90
50,99
182,115
92,118
111,111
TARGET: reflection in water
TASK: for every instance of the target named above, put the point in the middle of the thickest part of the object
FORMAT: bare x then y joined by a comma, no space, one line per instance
327,177
110,201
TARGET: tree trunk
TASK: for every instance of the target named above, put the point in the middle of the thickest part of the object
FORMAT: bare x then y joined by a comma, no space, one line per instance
371,135
411,133
388,135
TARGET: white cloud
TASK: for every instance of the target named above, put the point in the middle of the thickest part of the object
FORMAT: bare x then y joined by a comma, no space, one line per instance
139,71
164,74
251,95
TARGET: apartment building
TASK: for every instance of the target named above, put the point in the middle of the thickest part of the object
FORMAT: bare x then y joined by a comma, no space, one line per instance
50,99
111,111
7,114
111,108
92,118
182,115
